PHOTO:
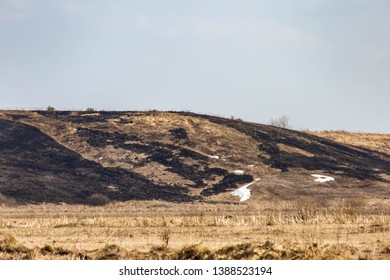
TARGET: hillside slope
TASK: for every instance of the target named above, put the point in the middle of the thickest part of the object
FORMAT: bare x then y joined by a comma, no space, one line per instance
175,156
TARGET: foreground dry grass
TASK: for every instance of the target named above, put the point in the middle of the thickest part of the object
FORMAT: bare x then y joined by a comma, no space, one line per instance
160,230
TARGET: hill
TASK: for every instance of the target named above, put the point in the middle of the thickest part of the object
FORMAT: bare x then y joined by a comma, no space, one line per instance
95,157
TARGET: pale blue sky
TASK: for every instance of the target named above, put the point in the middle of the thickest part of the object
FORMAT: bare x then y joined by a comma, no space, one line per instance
324,64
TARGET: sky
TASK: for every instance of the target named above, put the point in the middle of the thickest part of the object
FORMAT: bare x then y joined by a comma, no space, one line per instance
325,64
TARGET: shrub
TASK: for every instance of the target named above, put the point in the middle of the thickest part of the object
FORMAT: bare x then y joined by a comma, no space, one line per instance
7,201
193,252
98,199
280,122
50,109
90,110
165,236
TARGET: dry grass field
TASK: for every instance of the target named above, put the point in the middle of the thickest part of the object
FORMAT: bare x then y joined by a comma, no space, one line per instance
303,229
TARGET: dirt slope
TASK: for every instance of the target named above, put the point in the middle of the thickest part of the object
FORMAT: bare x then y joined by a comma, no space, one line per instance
81,157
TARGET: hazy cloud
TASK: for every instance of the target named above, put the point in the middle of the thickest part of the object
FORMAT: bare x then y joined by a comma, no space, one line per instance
377,56
13,10
18,4
285,36
72,8
270,33
310,5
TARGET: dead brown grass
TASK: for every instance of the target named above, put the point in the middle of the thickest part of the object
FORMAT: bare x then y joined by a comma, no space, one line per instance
302,229
373,141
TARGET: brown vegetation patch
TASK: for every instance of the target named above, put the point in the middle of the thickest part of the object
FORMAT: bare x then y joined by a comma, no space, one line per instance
373,141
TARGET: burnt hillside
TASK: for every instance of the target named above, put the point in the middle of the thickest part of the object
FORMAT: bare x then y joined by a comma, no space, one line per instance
35,168
71,157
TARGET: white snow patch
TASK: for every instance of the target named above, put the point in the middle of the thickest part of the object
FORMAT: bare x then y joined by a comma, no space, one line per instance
251,165
112,188
100,158
215,157
239,172
243,193
322,178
